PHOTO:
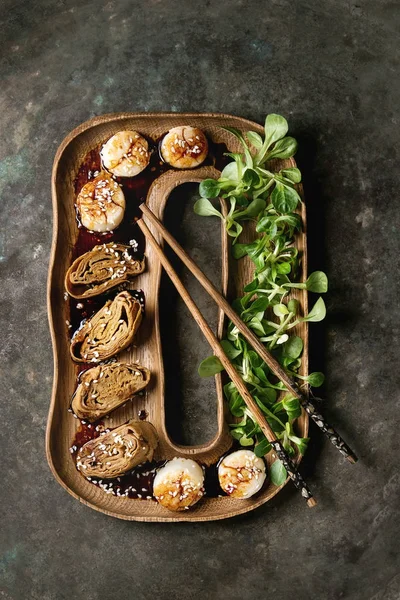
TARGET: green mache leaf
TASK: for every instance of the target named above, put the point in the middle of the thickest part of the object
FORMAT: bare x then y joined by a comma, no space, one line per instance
317,282
293,347
255,360
284,198
237,406
209,188
255,139
293,306
285,148
241,200
259,305
292,407
204,208
238,134
253,285
233,229
237,433
257,325
246,441
276,127
280,310
239,250
230,349
231,172
316,379
317,313
250,178
283,268
265,224
210,366
254,208
235,401
301,443
278,473
267,394
262,448
292,173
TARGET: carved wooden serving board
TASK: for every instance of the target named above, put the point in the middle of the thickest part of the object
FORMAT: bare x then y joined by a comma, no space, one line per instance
148,348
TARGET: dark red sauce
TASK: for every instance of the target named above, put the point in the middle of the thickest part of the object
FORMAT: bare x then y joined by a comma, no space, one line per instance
138,483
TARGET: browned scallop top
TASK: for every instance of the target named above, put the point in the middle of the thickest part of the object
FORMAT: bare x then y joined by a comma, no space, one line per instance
98,193
184,147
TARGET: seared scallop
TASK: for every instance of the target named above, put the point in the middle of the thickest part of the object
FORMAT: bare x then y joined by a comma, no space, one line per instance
125,154
241,474
179,484
184,147
101,204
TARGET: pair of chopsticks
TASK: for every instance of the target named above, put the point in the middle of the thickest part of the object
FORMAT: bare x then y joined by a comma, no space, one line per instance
272,363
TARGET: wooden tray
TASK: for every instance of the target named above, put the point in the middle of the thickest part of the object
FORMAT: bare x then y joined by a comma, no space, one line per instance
61,427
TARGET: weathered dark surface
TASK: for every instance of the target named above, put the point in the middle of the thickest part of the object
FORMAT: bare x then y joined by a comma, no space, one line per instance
332,69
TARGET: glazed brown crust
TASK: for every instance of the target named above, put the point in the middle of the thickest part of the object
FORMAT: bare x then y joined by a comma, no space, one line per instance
184,147
117,452
104,388
108,331
101,269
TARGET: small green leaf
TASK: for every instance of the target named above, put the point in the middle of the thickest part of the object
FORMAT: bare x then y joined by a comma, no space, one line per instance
278,473
292,407
204,208
239,250
262,448
267,394
210,366
301,443
291,173
285,148
250,178
293,306
230,349
316,379
293,347
252,286
284,198
237,433
255,139
231,172
317,313
255,207
209,188
275,128
280,310
238,134
246,441
259,305
317,282
283,268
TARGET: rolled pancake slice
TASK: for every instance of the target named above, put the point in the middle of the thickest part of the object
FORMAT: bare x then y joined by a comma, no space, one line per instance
108,331
100,269
117,452
104,388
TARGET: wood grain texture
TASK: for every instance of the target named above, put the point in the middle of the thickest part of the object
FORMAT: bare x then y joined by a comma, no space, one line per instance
61,426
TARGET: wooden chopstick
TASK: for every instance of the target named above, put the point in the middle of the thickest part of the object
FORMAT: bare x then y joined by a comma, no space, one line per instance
230,369
251,337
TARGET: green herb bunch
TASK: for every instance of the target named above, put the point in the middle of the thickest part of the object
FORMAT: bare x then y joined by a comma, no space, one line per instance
270,199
